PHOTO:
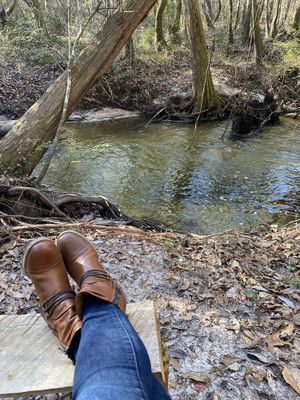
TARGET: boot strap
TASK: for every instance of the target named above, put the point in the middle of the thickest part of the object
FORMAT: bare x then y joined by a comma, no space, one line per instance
50,305
95,272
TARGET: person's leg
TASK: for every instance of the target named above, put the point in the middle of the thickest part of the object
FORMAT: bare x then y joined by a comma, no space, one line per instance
111,360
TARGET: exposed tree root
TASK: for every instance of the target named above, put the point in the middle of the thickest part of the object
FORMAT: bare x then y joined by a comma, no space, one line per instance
25,206
249,112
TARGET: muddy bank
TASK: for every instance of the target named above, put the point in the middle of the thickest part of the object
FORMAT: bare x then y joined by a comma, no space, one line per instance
229,304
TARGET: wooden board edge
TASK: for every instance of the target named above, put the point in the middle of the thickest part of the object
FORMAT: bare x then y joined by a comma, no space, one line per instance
164,374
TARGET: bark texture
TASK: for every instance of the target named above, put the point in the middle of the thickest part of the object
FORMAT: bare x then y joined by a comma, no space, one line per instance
230,28
274,24
246,23
22,148
159,31
175,28
258,43
296,20
205,97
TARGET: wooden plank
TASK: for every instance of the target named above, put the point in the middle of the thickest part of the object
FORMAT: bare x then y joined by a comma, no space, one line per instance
31,361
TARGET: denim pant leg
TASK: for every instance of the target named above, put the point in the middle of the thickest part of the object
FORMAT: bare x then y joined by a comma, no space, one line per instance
111,360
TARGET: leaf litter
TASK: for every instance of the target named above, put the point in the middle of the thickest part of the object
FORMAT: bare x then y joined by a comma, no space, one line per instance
229,306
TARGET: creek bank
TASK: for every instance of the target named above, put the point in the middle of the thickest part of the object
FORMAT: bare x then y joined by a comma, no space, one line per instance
151,86
229,304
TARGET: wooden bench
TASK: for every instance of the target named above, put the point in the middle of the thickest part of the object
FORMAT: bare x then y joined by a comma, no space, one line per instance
31,361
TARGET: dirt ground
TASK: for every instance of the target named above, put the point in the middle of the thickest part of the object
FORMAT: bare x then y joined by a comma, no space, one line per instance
229,305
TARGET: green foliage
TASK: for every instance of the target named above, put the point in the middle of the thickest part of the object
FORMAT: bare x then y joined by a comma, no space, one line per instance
291,51
291,267
21,40
146,37
251,293
167,246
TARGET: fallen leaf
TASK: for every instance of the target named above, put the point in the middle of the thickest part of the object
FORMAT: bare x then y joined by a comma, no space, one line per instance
234,366
177,353
297,319
287,330
287,302
260,357
192,354
271,382
197,377
229,359
292,377
175,364
259,374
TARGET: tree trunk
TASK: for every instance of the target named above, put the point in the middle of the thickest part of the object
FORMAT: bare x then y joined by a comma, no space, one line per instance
11,8
2,15
36,7
274,24
205,97
159,32
269,7
237,17
296,20
22,148
129,51
246,23
230,30
258,44
207,10
176,25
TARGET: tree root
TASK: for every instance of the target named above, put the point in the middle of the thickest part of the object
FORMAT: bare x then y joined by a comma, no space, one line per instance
26,206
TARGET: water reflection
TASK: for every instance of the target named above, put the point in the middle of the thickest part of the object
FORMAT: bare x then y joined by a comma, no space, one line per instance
192,180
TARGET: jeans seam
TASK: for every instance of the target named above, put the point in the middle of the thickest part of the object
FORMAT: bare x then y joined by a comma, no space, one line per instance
133,351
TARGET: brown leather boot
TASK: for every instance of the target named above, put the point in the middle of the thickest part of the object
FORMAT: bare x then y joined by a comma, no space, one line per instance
82,263
44,265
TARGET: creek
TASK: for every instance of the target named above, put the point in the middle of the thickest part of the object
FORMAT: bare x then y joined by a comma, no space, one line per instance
187,179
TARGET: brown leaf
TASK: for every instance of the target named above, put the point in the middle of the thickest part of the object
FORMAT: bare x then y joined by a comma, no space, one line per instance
297,319
292,377
260,357
229,359
175,364
197,377
259,374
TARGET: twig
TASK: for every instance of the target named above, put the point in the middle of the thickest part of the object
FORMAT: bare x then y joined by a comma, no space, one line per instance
154,116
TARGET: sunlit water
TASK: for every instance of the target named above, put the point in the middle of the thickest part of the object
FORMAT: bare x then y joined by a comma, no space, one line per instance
190,180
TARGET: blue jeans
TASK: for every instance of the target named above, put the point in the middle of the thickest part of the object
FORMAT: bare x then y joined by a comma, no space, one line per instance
111,362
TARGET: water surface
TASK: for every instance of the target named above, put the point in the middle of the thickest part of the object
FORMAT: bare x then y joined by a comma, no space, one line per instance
188,179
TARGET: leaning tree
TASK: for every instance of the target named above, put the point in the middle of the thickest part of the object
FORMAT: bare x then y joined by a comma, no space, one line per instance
25,144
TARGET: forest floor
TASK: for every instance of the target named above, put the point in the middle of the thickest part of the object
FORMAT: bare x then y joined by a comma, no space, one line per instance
229,304
154,81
